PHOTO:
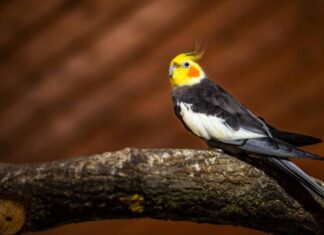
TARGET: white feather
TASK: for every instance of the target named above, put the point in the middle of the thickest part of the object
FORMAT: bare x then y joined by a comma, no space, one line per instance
208,126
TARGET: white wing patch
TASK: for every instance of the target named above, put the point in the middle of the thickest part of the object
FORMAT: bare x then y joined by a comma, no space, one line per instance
208,126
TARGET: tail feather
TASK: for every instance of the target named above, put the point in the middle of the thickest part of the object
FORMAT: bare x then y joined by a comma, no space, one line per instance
269,147
294,171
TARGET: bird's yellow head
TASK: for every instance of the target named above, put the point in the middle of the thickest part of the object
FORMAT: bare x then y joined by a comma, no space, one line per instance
184,69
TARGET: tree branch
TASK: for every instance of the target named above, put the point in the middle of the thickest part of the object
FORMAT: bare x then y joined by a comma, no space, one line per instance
201,186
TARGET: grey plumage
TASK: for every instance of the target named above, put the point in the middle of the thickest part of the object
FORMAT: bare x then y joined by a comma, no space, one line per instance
215,116
295,172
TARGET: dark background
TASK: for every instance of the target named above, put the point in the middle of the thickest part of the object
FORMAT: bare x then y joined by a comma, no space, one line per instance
83,77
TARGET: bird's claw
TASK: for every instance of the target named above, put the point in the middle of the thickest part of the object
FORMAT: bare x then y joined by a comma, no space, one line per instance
218,150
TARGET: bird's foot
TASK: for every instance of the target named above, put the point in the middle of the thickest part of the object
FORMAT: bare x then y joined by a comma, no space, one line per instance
218,150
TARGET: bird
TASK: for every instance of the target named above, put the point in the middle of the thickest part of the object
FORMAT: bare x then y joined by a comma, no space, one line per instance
212,114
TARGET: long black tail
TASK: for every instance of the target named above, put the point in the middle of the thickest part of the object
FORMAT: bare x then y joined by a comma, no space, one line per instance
294,171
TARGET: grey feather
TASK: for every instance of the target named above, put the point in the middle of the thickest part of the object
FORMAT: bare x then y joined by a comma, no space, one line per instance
270,147
298,174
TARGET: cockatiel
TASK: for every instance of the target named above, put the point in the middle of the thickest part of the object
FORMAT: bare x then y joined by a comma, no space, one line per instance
209,112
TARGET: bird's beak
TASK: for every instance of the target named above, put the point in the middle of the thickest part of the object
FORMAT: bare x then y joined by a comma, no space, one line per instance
171,69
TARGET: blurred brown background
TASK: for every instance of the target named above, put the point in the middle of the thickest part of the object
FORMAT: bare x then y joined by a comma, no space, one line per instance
83,77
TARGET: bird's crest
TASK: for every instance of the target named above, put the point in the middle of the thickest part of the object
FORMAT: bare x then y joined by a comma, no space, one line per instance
196,54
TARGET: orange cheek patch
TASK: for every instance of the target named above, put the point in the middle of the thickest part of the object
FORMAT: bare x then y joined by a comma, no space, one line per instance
193,72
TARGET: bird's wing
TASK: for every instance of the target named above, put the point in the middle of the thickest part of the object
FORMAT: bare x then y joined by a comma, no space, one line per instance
210,113
295,139
238,118
235,115
292,138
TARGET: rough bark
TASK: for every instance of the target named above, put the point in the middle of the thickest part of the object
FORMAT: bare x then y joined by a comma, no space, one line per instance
193,185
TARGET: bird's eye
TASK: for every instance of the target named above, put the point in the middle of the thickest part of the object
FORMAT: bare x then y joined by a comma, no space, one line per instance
185,64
